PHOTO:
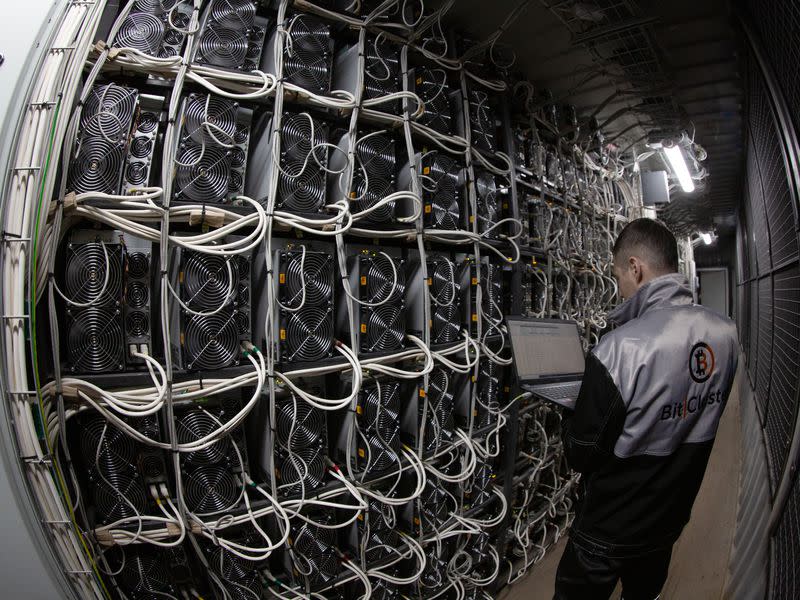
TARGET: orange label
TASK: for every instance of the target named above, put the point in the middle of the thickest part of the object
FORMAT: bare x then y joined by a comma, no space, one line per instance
352,195
474,379
360,516
505,204
472,218
363,328
283,334
361,452
419,80
474,281
430,280
421,393
363,280
183,339
416,520
427,209
282,278
475,316
359,410
426,170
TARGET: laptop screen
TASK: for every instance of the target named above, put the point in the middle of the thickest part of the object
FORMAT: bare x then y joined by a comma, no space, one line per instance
544,349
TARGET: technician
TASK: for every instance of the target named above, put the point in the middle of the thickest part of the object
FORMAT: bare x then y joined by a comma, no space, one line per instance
644,423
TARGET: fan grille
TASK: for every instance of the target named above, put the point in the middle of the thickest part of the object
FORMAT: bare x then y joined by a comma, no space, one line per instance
303,193
316,275
137,294
211,342
116,448
296,137
369,193
203,173
307,64
195,425
123,498
223,47
141,31
209,280
96,341
141,146
444,286
309,334
234,13
435,94
214,110
385,329
380,280
108,112
86,272
137,324
97,167
210,490
299,424
306,465
143,574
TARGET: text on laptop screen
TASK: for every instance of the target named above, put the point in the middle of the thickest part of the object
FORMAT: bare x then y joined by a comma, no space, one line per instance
545,349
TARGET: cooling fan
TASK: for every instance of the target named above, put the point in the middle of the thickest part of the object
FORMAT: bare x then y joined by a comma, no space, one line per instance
299,424
312,275
222,47
381,71
96,340
301,183
109,455
307,54
210,119
233,13
374,178
196,424
209,280
382,281
203,173
211,341
85,273
309,334
141,31
144,574
108,113
381,545
442,198
240,579
488,204
210,489
431,86
98,166
315,553
300,469
482,121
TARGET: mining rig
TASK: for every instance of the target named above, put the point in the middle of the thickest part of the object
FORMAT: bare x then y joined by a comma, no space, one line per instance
275,252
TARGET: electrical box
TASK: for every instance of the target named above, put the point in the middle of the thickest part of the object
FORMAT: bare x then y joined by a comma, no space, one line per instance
655,188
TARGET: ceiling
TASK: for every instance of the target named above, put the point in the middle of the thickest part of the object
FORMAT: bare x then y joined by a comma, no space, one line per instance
654,66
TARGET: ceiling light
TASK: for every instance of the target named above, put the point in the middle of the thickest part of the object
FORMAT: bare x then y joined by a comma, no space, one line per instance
706,237
678,164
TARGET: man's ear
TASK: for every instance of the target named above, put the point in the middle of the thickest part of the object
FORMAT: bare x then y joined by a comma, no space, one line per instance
636,269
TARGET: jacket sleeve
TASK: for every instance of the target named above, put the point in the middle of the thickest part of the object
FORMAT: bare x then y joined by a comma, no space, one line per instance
591,431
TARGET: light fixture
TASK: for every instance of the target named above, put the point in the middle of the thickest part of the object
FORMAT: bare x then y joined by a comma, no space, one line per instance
678,164
707,239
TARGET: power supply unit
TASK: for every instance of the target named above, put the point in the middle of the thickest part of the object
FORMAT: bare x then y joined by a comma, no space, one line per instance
381,73
145,138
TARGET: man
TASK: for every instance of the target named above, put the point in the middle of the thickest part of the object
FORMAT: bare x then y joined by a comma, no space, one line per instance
644,423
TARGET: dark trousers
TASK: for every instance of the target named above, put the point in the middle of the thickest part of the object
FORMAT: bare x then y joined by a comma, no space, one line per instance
585,576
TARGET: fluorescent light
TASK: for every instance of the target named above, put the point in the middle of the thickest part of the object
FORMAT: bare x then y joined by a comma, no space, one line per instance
706,237
678,164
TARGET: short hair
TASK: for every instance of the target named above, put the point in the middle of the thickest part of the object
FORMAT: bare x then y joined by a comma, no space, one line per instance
651,241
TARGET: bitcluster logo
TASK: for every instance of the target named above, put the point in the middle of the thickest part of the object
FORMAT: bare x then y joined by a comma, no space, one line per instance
701,362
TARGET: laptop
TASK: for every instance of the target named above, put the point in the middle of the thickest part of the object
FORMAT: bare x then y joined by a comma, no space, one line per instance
548,357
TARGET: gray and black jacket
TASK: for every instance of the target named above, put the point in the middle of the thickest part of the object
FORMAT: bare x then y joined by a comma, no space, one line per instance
646,417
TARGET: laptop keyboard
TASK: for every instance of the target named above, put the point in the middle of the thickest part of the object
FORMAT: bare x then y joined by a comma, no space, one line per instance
560,391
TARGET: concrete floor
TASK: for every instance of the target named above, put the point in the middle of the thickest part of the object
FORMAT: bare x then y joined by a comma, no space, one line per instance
700,557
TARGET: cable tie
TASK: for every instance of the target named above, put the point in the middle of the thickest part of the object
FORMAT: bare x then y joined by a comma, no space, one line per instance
11,235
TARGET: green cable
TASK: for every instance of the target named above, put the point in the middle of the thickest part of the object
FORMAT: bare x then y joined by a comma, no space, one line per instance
35,357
